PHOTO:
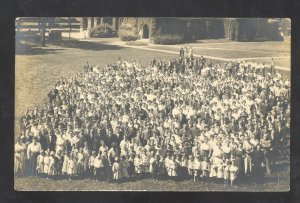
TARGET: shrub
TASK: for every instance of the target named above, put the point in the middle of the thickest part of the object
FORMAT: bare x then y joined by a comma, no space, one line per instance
168,39
127,35
127,32
102,30
128,27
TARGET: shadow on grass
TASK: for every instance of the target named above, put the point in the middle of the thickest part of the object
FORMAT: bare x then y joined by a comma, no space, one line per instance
34,49
86,45
28,43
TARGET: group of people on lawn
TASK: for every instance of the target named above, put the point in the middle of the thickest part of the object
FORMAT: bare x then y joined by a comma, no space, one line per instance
185,118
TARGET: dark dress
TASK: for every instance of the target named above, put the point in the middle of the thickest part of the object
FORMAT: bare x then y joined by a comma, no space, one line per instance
257,169
156,165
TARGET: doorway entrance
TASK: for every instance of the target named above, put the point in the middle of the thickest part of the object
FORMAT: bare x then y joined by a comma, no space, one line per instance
145,32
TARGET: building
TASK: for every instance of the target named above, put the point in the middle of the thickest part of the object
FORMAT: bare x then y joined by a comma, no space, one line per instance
236,29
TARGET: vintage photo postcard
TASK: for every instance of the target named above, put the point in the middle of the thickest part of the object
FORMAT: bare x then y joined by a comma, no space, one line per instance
152,104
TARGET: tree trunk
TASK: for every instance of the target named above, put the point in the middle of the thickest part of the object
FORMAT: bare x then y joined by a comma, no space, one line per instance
70,27
42,23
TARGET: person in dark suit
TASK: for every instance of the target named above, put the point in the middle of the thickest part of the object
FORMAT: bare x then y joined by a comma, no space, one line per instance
182,118
181,52
95,140
145,135
258,164
45,139
109,139
24,124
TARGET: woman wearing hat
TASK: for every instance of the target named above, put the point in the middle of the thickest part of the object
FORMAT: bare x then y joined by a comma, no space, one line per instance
19,166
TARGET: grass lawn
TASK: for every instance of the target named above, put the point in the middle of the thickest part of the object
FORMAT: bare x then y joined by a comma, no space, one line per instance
38,69
236,50
279,181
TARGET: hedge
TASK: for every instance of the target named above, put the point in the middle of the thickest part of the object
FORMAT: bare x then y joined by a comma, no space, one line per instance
167,39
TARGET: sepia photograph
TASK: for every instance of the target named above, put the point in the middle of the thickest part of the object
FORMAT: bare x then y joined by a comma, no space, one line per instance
152,104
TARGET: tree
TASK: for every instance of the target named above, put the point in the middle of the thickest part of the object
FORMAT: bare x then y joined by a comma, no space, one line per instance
70,26
42,27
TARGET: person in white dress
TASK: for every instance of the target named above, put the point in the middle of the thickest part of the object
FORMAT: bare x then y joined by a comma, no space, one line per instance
71,167
233,172
52,165
64,169
116,170
191,166
46,163
40,163
197,168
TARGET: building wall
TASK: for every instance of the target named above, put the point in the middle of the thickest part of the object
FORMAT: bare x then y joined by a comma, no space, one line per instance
236,29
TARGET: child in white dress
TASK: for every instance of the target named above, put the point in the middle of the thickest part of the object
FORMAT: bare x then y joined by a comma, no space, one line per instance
52,165
71,167
191,166
64,170
172,168
116,169
220,171
197,168
233,172
138,165
40,163
205,169
226,172
46,163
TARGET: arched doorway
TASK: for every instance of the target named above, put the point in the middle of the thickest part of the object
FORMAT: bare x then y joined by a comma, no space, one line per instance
145,32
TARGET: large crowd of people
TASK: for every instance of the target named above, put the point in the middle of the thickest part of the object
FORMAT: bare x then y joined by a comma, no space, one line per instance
180,119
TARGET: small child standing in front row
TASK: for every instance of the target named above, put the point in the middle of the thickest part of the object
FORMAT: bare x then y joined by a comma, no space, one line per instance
138,166
71,167
156,165
197,168
131,166
205,169
40,163
226,172
191,166
116,170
